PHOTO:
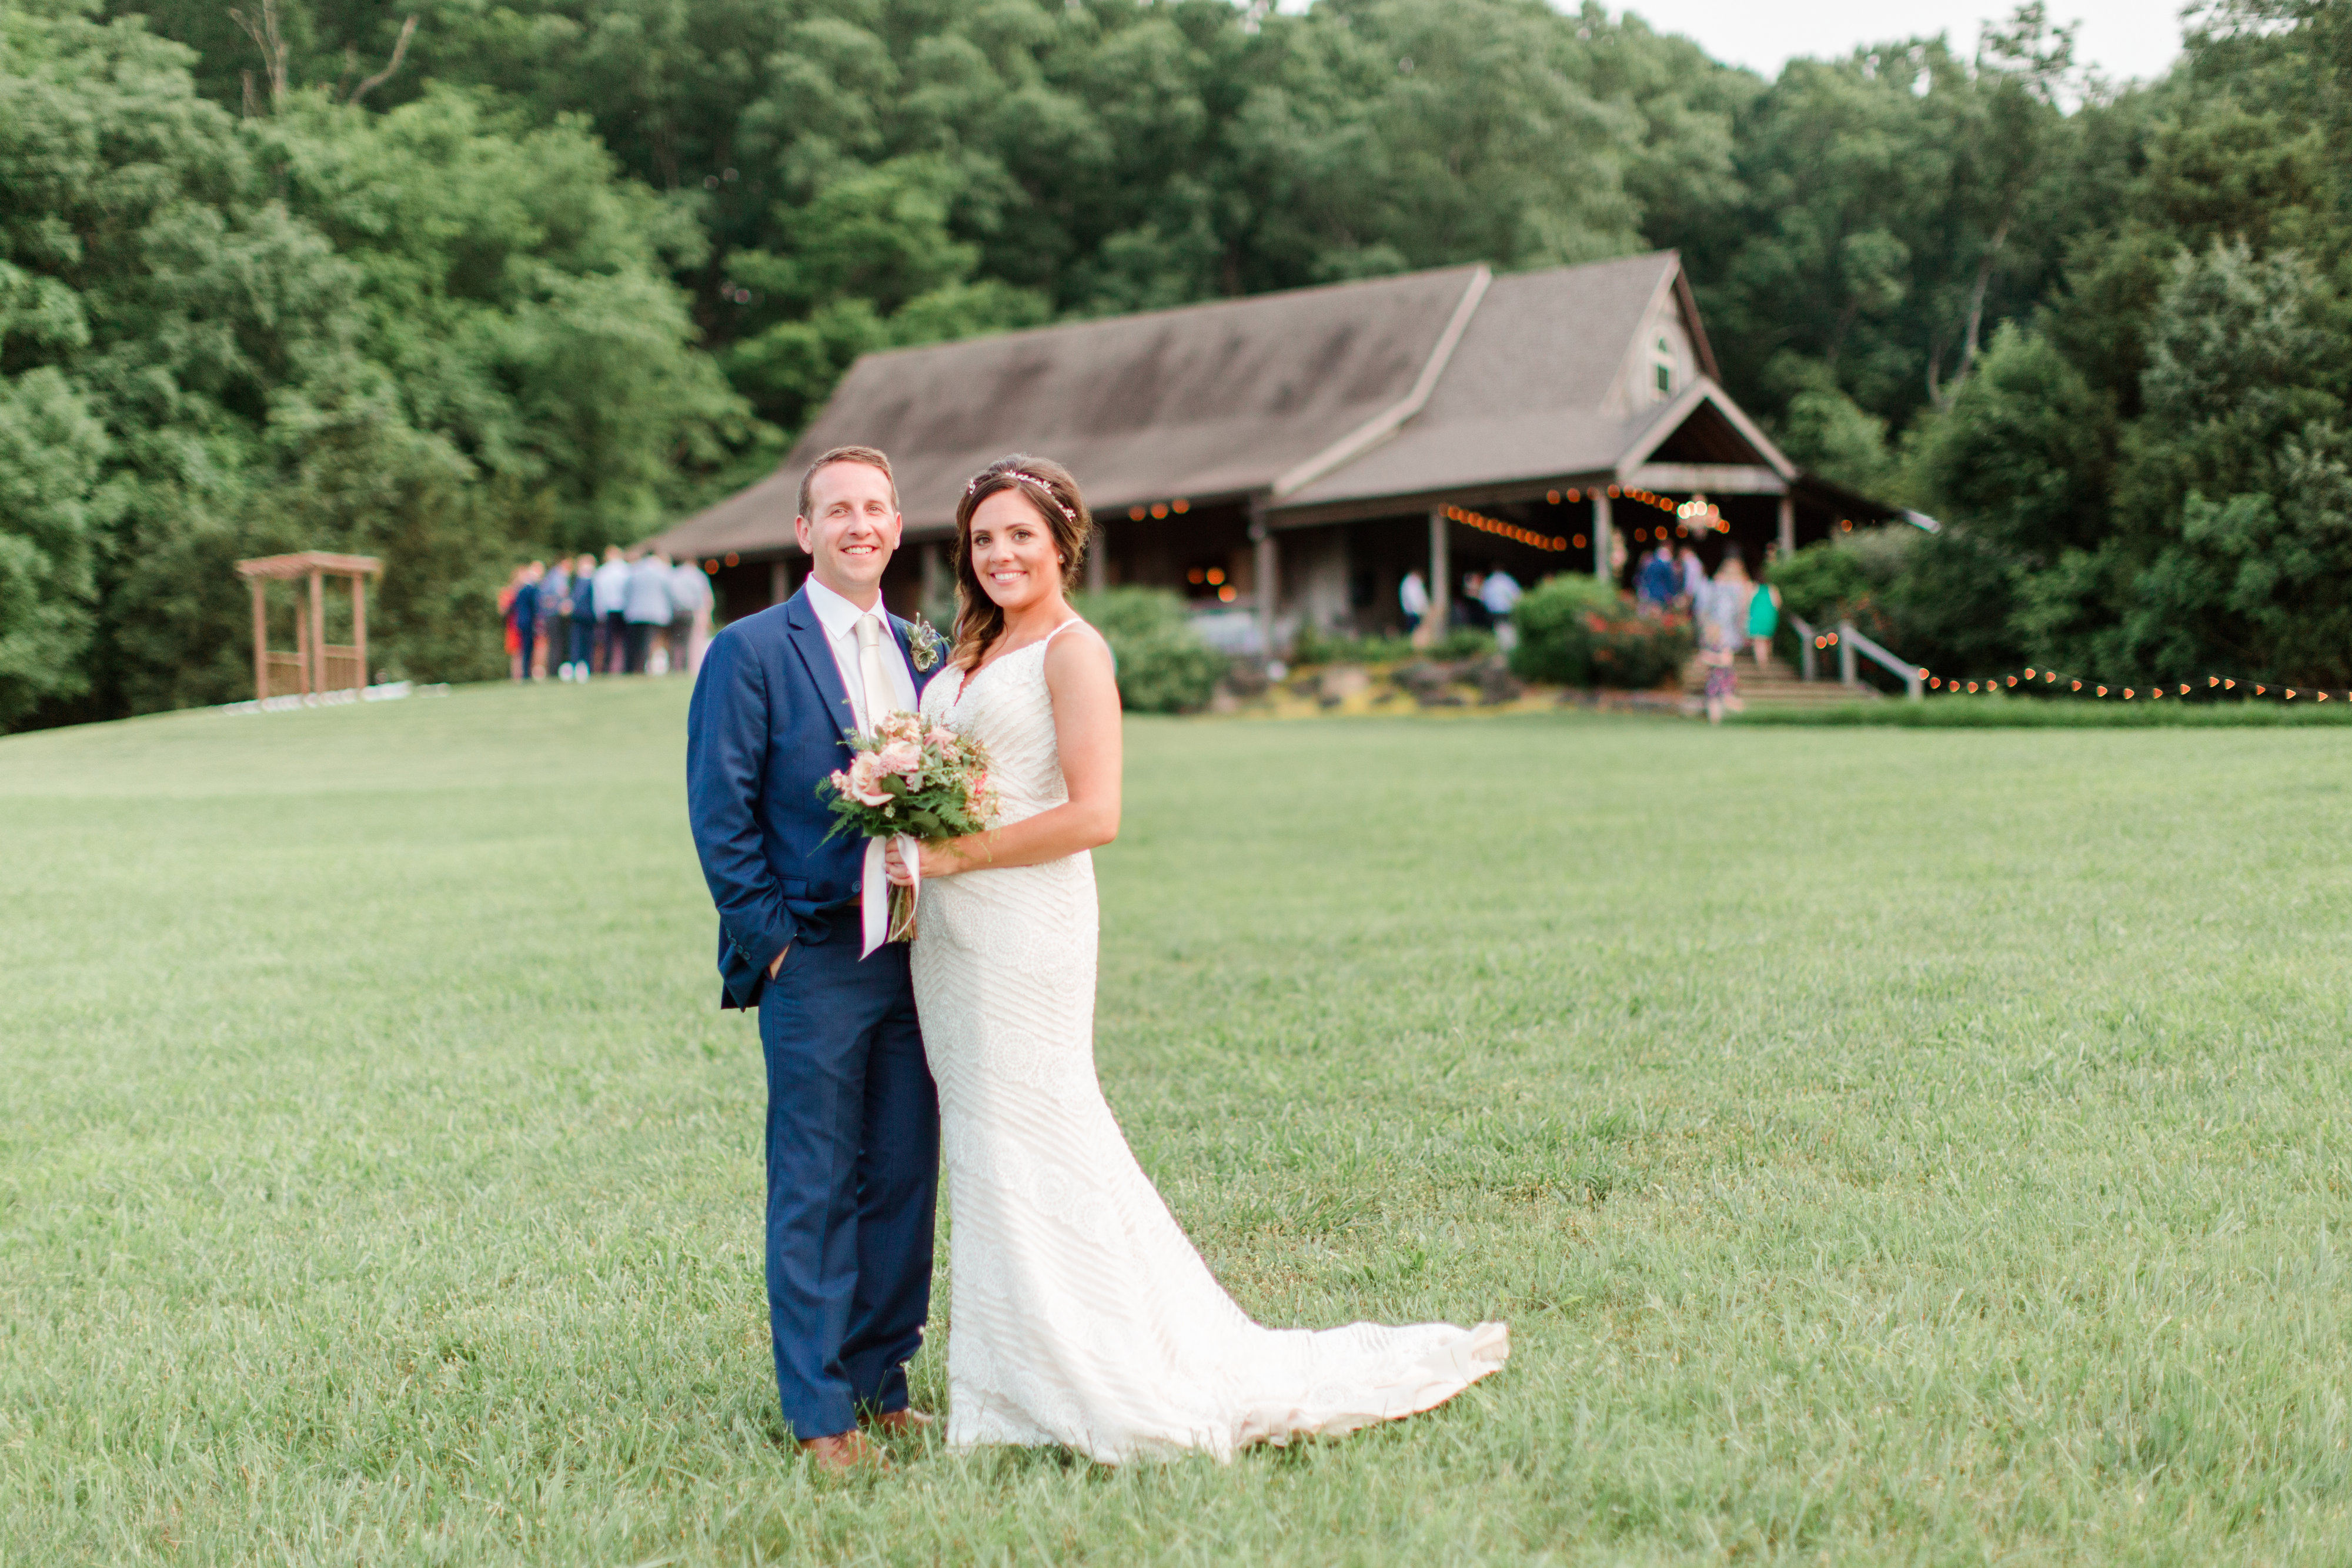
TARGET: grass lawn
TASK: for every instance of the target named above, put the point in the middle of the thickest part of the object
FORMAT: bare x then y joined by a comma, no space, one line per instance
1887,1145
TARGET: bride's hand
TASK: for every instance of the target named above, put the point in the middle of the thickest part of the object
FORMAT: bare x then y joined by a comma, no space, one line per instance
938,859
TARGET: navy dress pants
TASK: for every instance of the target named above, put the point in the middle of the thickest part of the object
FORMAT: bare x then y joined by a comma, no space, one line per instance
853,1178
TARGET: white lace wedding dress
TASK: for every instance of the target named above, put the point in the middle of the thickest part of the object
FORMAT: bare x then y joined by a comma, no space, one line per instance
1080,1314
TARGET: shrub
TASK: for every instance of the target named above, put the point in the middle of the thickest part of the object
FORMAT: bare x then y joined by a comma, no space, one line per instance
1313,646
1577,631
1163,667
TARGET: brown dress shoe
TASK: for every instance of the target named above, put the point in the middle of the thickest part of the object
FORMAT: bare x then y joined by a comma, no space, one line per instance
899,1423
843,1452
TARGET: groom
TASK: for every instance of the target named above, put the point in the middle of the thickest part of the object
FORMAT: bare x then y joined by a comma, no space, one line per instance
853,1118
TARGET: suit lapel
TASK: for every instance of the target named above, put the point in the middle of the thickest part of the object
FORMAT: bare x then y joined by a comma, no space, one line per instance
807,636
917,678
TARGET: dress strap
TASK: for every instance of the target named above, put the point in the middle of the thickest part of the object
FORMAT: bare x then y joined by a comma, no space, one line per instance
1048,640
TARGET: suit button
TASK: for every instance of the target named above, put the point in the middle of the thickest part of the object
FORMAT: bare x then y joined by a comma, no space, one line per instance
853,887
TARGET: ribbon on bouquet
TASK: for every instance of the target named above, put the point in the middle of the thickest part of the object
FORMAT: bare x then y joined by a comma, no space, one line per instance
873,904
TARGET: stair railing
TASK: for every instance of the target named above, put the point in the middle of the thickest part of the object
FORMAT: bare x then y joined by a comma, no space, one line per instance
1808,660
1851,641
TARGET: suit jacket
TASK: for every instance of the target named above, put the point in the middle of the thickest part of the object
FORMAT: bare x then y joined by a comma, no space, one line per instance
769,721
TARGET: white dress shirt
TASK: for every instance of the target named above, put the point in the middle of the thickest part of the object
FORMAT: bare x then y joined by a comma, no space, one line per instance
839,619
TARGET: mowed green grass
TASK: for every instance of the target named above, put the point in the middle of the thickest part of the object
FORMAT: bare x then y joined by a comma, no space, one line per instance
1886,1146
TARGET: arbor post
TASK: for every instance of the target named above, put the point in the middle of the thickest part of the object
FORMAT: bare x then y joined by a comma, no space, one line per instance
318,629
260,639
1602,526
1788,525
359,627
302,647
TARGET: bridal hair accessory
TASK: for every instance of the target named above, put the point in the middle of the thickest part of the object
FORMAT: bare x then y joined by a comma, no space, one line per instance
1030,478
910,784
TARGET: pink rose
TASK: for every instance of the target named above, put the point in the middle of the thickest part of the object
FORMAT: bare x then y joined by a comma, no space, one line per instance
901,726
865,780
943,737
903,758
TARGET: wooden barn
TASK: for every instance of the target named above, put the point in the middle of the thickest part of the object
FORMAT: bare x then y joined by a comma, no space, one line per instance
1287,458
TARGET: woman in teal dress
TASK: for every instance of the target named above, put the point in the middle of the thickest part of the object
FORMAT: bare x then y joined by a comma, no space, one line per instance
1763,620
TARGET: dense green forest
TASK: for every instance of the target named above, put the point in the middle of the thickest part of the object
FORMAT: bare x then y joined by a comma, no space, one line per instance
451,281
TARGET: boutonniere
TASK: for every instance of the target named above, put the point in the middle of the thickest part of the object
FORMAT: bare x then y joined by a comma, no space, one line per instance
923,643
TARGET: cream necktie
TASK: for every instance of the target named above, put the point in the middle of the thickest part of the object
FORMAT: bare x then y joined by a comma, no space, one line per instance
869,670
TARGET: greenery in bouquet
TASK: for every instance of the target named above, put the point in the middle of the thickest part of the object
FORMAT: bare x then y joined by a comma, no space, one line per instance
928,783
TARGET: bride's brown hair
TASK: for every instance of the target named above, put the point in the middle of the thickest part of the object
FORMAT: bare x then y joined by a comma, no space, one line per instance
1048,487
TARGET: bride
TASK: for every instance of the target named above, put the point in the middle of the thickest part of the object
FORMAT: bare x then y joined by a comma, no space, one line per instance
1082,1315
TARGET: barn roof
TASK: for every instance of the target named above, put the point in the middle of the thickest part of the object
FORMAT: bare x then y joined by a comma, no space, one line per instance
1327,398
1527,394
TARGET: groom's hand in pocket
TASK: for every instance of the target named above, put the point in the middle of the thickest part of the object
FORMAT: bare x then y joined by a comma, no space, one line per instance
778,962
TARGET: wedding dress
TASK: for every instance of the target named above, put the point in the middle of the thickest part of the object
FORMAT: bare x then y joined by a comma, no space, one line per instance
1081,1315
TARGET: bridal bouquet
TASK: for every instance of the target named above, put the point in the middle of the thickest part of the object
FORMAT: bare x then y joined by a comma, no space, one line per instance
913,784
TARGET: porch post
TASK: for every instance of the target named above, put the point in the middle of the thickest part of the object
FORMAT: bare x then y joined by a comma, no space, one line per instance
359,624
1099,560
935,574
260,640
780,581
1441,577
1601,527
1787,524
1264,568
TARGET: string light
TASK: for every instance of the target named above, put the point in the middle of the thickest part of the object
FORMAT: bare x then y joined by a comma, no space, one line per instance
1484,524
2154,692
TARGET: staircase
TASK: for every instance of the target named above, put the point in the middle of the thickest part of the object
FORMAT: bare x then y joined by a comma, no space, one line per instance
1775,686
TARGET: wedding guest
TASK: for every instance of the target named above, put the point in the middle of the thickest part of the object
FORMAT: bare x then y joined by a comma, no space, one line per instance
1655,584
1500,594
555,616
1469,607
540,645
1412,598
1763,618
1693,576
690,597
523,618
612,605
506,622
646,606
1721,609
583,617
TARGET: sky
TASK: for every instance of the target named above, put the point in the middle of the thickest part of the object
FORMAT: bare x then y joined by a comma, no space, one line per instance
2119,38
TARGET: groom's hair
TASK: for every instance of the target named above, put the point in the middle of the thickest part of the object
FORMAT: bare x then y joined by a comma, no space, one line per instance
870,456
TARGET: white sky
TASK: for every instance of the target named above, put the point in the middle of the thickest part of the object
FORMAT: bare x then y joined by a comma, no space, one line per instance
2118,38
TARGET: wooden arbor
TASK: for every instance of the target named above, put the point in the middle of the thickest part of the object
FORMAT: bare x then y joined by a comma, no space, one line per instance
312,667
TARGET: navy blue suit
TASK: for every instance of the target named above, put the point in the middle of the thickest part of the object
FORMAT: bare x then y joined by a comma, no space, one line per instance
852,1137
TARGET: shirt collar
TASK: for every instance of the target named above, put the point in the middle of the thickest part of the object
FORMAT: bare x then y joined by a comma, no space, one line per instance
836,614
